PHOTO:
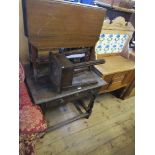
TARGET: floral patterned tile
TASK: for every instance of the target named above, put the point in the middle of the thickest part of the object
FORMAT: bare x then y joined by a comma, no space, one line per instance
110,43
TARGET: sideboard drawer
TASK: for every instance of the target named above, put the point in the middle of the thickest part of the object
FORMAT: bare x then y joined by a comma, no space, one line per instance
115,81
118,77
115,85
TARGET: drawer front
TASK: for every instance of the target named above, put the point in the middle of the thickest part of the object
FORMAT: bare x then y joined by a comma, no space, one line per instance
70,98
115,85
118,77
115,81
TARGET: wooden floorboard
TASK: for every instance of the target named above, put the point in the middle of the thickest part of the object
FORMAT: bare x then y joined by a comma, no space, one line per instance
108,131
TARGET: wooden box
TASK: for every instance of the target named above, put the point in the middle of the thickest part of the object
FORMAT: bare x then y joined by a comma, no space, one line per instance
61,71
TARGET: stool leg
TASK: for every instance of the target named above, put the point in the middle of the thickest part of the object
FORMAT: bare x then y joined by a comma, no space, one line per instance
91,104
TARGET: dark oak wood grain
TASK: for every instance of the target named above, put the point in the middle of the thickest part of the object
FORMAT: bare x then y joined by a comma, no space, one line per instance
42,91
62,71
53,24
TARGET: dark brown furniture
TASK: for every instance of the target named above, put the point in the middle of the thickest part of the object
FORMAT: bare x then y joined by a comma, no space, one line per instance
62,71
51,25
48,28
43,94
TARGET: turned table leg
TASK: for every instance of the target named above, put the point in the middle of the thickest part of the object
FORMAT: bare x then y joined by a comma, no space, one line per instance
33,59
91,104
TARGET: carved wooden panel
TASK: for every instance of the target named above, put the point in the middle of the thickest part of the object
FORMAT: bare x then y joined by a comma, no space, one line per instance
114,37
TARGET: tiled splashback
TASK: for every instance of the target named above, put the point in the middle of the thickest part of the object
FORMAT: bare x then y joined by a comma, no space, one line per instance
111,43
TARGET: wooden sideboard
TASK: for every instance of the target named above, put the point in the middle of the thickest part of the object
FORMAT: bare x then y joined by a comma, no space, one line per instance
113,47
117,72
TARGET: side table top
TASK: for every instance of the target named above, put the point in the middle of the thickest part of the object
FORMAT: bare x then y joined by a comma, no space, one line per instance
42,91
